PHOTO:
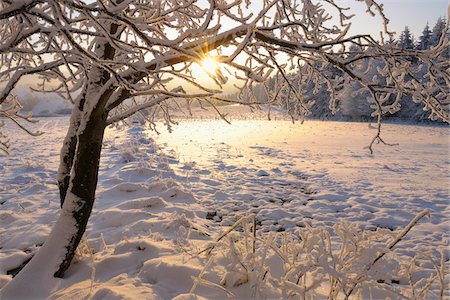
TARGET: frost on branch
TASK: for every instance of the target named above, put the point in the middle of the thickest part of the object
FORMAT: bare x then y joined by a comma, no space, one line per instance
10,111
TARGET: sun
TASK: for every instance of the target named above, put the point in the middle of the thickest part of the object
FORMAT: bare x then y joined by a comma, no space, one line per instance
210,65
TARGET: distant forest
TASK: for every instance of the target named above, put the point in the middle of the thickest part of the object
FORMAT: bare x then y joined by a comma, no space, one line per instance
352,98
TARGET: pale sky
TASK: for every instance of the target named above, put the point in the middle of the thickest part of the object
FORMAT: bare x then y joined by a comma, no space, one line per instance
411,13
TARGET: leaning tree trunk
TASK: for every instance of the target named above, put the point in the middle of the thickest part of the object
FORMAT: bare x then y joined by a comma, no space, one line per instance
69,146
77,181
80,195
55,256
78,191
80,155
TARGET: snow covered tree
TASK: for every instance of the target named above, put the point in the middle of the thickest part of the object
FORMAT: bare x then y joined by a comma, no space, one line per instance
406,40
115,58
438,30
424,41
391,40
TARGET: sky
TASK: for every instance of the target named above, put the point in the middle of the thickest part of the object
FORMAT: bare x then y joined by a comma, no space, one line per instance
412,13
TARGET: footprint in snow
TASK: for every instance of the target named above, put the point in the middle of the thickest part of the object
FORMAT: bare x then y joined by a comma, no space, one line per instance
262,173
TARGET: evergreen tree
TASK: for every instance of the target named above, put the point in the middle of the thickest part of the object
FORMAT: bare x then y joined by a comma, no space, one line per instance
437,31
353,51
391,40
406,39
424,39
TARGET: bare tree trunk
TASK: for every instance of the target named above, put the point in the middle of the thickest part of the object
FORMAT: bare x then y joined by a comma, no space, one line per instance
80,156
71,140
87,136
83,182
69,146
55,256
66,161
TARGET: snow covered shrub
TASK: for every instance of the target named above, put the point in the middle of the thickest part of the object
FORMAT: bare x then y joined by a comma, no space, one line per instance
336,263
420,280
83,250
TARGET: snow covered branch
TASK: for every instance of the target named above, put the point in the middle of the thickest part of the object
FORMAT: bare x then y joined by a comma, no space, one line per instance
158,44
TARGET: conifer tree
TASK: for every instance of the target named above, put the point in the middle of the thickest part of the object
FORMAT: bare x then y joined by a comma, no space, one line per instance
437,31
424,39
406,39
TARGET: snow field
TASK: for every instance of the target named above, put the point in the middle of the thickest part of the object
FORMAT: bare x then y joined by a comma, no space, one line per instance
157,209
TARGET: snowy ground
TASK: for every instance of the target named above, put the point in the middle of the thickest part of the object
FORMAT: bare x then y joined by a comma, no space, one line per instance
161,198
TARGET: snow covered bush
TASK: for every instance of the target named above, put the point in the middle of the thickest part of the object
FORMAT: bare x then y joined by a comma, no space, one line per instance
113,59
315,262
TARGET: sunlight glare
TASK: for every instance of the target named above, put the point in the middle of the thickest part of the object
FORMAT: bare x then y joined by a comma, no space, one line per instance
210,65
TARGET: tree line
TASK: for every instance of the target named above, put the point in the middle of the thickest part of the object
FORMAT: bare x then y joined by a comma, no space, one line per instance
428,38
352,99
